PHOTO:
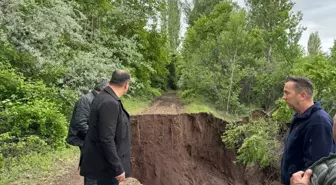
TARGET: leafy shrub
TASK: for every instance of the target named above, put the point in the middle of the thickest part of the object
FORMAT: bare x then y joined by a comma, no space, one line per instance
12,146
256,142
21,122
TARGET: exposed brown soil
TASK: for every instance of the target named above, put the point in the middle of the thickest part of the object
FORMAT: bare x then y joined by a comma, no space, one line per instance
172,148
185,149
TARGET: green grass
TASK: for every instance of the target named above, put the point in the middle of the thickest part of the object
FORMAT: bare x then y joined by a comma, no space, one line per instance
197,107
193,104
38,167
136,105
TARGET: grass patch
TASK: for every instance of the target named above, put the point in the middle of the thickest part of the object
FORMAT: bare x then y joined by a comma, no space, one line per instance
36,168
135,105
193,104
197,107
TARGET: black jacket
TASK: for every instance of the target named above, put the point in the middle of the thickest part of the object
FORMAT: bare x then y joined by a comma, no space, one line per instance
107,145
79,121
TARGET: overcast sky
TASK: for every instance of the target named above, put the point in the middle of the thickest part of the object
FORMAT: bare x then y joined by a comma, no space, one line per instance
317,16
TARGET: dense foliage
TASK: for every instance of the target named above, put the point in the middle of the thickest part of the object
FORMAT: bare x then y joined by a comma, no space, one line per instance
232,58
53,51
237,58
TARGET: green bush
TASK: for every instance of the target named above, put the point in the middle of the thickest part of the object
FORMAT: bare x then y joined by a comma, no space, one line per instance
9,83
12,146
153,92
40,118
189,95
256,142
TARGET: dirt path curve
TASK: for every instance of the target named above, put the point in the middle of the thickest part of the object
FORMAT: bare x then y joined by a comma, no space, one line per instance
167,104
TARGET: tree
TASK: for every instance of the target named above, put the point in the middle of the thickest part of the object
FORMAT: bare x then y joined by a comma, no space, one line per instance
199,8
174,15
314,44
281,30
333,52
221,50
232,46
322,73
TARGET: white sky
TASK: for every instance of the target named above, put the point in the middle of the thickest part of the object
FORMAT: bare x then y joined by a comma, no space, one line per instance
317,16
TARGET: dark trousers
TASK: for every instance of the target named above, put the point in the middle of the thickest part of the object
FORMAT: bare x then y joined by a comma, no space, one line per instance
107,183
87,181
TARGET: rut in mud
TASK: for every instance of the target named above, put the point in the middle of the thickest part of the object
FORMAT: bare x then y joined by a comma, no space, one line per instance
185,149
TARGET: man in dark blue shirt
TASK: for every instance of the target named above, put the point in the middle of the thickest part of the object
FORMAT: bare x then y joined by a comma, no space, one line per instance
310,137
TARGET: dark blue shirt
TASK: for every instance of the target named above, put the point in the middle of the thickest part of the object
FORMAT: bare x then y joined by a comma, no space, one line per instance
310,138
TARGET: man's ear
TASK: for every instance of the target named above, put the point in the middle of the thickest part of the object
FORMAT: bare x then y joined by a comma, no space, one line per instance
304,95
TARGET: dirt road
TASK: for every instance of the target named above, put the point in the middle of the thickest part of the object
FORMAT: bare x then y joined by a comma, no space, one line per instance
166,104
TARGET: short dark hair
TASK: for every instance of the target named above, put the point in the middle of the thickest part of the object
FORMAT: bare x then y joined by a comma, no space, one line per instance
101,84
120,77
302,84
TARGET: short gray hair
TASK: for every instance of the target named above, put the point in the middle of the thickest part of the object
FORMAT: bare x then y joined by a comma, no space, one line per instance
302,84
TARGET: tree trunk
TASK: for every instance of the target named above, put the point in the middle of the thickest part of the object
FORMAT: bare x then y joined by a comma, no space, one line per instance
92,27
231,81
269,54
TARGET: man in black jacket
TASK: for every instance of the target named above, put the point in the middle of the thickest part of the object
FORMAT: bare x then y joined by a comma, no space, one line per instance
79,121
107,146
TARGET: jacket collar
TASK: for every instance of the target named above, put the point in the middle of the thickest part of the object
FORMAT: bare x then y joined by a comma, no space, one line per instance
315,107
110,91
94,92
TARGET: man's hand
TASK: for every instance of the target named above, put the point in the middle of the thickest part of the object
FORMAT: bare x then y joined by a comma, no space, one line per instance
302,178
121,178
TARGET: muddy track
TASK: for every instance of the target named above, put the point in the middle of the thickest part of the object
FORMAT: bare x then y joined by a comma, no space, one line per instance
166,104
